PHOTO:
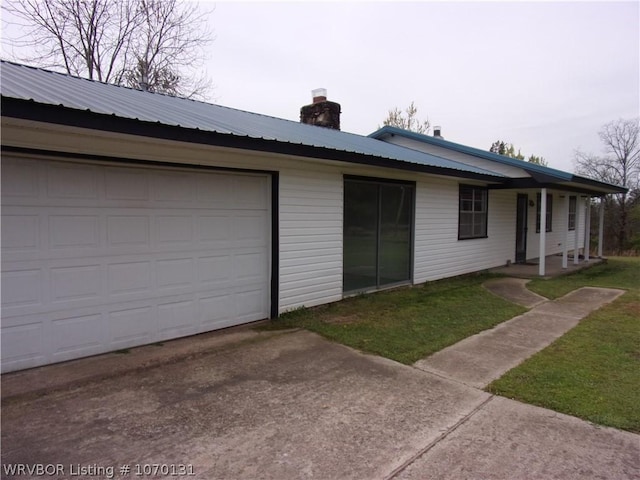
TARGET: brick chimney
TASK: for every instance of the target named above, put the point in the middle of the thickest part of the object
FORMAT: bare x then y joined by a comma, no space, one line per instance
321,112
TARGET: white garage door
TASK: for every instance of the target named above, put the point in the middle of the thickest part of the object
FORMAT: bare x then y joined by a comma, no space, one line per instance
97,258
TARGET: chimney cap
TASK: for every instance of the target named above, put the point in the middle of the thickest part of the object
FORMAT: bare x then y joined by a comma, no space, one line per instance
319,92
319,95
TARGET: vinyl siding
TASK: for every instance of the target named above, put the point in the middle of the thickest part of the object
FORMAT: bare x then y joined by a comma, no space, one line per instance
310,236
439,253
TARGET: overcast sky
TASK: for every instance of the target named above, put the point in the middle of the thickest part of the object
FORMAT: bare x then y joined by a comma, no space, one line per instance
544,76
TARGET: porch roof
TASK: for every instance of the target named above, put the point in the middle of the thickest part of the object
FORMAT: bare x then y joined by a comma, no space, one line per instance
539,176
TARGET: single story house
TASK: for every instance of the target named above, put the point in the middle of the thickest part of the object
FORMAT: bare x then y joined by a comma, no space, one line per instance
130,217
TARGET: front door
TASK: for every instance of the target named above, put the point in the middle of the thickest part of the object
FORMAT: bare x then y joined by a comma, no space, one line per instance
521,228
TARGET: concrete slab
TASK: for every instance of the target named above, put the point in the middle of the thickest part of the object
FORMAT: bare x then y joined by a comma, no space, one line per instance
478,360
524,337
287,406
581,302
507,439
553,267
37,381
514,290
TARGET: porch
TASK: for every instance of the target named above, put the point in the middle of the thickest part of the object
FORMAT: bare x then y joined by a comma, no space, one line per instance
553,267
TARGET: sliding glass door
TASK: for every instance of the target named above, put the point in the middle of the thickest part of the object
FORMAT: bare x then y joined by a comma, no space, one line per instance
378,232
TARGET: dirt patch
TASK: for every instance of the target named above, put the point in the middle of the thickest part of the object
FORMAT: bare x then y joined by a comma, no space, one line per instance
342,319
633,308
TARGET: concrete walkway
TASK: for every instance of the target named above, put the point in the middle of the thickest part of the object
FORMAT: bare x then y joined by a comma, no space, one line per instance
514,290
478,360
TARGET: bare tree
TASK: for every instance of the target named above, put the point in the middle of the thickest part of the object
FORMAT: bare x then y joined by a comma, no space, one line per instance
171,40
89,38
149,43
620,166
407,120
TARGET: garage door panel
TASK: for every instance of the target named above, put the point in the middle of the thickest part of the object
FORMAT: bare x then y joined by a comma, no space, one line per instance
176,230
129,278
175,319
72,181
250,304
19,181
132,326
249,229
73,231
21,232
214,189
249,267
78,282
135,256
249,192
216,309
214,229
173,187
175,274
22,344
21,288
128,230
215,271
77,336
126,184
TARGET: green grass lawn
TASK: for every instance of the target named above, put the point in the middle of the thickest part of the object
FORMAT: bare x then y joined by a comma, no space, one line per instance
407,324
593,371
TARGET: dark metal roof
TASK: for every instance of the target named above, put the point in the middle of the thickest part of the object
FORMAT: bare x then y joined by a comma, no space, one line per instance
540,174
28,88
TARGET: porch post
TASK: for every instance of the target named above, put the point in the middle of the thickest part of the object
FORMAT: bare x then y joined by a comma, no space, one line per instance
587,230
576,233
565,242
543,231
601,228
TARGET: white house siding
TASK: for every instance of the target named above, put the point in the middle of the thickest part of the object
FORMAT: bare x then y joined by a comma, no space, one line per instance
310,236
311,209
439,253
310,198
554,238
507,170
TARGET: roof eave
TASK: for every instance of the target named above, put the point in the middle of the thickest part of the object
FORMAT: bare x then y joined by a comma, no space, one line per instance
61,115
540,174
589,187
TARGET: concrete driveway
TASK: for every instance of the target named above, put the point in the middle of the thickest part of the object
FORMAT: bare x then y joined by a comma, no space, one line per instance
288,406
